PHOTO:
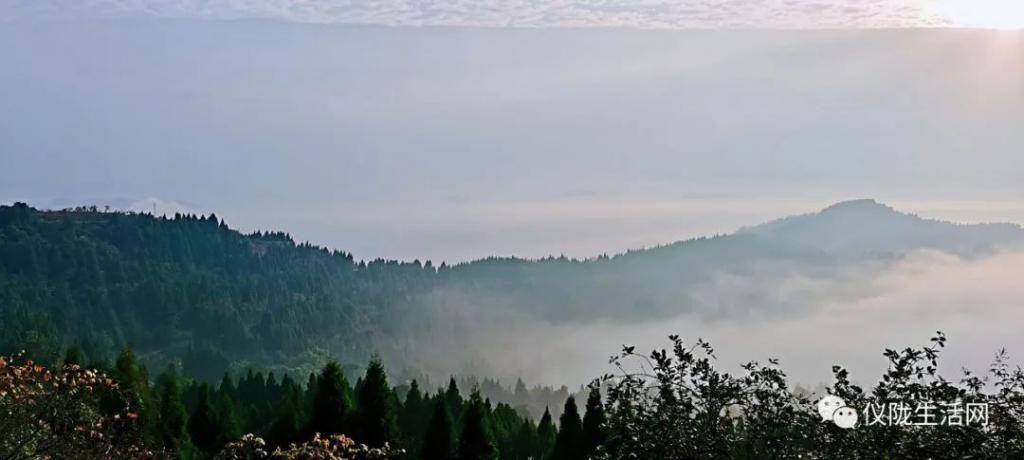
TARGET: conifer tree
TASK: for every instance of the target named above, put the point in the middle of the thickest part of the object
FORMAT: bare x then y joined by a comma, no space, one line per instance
526,442
476,442
73,356
569,442
376,419
173,420
285,428
414,416
332,402
202,425
227,386
439,440
546,435
453,398
594,420
229,424
521,395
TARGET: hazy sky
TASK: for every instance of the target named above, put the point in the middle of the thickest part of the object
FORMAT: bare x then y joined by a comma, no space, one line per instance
456,143
558,13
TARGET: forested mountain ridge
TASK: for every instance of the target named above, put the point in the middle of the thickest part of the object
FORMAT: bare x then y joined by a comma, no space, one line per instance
863,228
190,288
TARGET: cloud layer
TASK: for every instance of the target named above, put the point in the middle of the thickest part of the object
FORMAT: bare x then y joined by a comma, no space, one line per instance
670,14
847,320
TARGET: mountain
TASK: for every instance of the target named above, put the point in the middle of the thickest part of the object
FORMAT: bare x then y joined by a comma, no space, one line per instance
866,228
190,289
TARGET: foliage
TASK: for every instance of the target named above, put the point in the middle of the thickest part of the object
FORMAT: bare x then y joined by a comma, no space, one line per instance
53,415
334,447
677,405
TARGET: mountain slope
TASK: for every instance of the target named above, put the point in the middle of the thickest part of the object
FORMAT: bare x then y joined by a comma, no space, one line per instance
191,289
864,228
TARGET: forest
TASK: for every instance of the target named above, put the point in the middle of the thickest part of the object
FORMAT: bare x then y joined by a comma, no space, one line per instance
672,403
190,290
262,340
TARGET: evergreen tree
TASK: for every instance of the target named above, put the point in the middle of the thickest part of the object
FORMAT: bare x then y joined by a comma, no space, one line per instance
73,356
452,397
376,417
414,416
569,443
594,424
526,442
134,381
285,428
173,420
202,425
227,386
332,402
546,435
439,440
476,442
229,423
287,423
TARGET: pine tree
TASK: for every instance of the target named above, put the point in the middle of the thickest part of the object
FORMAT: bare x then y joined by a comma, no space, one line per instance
453,398
546,435
521,396
376,419
134,381
173,420
202,425
285,428
439,440
526,442
413,417
287,423
227,386
73,356
594,429
569,443
476,442
229,424
332,402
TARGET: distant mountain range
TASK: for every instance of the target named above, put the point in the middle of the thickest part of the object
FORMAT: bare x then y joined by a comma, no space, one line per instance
191,289
863,228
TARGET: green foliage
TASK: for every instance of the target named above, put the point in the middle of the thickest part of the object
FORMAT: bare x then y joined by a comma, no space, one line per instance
172,425
439,442
202,424
229,423
594,424
58,414
376,420
569,444
681,407
546,436
476,441
332,402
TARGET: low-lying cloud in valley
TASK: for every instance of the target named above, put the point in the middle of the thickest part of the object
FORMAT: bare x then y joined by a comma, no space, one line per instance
808,319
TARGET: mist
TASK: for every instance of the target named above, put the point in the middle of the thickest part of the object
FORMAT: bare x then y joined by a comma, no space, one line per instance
807,319
459,143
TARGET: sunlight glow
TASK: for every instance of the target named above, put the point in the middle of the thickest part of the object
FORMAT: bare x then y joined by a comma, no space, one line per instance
987,14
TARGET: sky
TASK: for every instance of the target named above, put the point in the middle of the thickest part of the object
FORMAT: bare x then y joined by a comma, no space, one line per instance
563,13
454,143
450,131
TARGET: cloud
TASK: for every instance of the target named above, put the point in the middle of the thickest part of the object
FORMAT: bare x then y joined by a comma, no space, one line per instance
847,317
671,14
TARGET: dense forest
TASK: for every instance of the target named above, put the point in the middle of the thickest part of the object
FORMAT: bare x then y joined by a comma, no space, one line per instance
190,290
181,417
670,404
251,328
